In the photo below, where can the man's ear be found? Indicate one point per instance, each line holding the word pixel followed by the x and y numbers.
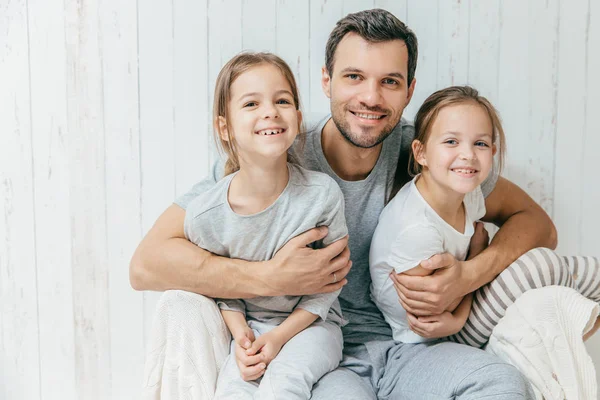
pixel 221 125
pixel 419 152
pixel 326 82
pixel 411 90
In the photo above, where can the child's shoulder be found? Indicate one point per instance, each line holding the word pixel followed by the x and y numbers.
pixel 210 199
pixel 316 187
pixel 475 203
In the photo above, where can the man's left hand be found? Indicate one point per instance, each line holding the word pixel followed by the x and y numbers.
pixel 435 293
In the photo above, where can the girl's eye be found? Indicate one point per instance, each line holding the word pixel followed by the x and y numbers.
pixel 481 144
pixel 283 101
pixel 250 104
pixel 451 141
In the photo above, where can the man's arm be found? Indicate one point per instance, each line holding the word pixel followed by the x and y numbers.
pixel 524 225
pixel 165 260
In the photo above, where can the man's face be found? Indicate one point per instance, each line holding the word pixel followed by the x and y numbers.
pixel 368 88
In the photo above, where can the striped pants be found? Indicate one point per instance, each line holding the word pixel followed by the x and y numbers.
pixel 535 269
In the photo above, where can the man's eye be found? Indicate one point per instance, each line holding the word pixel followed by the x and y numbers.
pixel 353 76
pixel 389 81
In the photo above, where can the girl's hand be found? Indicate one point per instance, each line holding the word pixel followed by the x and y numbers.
pixel 435 326
pixel 479 241
pixel 266 346
pixel 251 367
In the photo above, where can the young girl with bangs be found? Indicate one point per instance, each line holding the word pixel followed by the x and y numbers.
pixel 281 345
pixel 458 132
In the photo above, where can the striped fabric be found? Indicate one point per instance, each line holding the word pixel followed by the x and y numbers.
pixel 535 269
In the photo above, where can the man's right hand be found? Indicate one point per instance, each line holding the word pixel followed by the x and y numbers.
pixel 298 270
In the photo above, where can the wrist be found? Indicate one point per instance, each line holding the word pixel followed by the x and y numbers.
pixel 264 273
pixel 470 276
pixel 279 335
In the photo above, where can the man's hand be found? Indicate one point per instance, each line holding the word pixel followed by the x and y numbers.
pixel 266 346
pixel 444 289
pixel 298 270
pixel 251 366
pixel 435 326
pixel 435 293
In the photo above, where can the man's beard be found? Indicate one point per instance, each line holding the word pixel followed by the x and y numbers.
pixel 358 139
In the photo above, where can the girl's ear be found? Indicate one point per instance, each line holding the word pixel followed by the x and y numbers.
pixel 494 149
pixel 221 124
pixel 419 152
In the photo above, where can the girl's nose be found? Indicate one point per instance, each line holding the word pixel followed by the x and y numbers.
pixel 467 153
pixel 270 111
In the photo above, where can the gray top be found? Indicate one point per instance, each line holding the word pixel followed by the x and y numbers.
pixel 310 199
pixel 364 201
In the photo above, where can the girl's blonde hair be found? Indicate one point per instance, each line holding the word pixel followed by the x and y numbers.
pixel 229 73
pixel 426 117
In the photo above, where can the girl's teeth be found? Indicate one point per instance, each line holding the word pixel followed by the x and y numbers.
pixel 271 132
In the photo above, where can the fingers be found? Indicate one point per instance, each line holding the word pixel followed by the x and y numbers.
pixel 415 325
pixel 252 373
pixel 417 297
pixel 247 360
pixel 414 283
pixel 421 328
pixel 438 261
pixel 337 250
pixel 340 271
pixel 333 287
pixel 417 308
pixel 312 235
pixel 255 348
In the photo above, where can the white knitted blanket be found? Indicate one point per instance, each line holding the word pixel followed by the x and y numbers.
pixel 541 334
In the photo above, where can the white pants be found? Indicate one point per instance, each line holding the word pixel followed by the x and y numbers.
pixel 302 361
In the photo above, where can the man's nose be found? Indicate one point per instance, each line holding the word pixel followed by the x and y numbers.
pixel 371 94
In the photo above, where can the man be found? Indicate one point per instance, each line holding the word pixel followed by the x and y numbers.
pixel 369 78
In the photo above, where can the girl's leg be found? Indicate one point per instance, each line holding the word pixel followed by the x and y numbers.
pixel 586 274
pixel 535 269
pixel 301 362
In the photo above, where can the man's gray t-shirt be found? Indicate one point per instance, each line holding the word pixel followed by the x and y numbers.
pixel 310 199
pixel 364 201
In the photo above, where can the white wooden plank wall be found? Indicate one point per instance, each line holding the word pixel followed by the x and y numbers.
pixel 105 117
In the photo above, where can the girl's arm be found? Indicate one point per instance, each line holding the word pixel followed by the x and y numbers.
pixel 444 324
pixel 270 343
pixel 236 322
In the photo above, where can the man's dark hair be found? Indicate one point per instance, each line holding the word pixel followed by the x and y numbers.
pixel 375 25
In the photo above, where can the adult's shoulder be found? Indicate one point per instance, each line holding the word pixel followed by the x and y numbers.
pixel 314 121
pixel 406 130
pixel 305 177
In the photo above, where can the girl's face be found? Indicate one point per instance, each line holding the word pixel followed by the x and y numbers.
pixel 262 114
pixel 458 155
